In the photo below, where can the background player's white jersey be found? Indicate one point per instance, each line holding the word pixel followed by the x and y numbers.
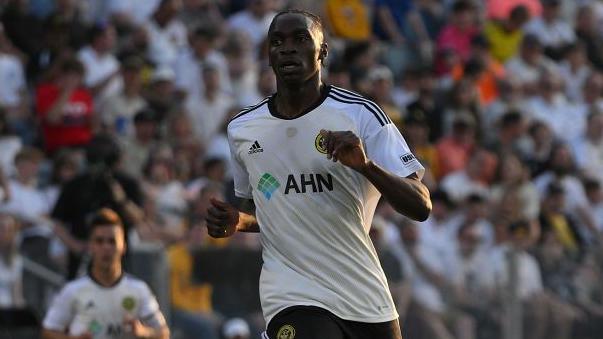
pixel 314 214
pixel 85 306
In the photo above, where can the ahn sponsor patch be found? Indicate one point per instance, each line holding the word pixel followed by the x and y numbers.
pixel 407 158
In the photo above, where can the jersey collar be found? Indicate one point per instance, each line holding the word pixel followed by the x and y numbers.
pixel 272 106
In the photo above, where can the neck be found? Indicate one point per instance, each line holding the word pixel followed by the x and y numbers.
pixel 107 276
pixel 293 99
pixel 211 94
pixel 26 181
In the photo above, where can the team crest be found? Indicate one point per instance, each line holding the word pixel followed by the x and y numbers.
pixel 319 142
pixel 286 332
pixel 128 303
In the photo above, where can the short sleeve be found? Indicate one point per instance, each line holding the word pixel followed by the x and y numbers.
pixel 388 149
pixel 60 314
pixel 242 187
pixel 149 313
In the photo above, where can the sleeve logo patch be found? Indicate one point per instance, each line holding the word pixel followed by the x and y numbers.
pixel 406 158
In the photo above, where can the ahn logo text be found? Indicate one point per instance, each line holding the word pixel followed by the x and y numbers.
pixel 306 183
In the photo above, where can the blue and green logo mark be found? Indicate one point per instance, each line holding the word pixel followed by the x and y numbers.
pixel 267 185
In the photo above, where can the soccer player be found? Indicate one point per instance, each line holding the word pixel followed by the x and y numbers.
pixel 315 159
pixel 106 303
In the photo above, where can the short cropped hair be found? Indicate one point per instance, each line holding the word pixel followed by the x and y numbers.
pixel 316 20
pixel 103 218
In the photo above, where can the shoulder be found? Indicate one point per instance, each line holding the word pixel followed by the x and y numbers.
pixel 73 288
pixel 248 113
pixel 367 111
pixel 136 285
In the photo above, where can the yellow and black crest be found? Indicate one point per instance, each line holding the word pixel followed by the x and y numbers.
pixel 286 332
pixel 319 142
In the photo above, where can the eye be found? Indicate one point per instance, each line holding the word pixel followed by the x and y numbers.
pixel 303 37
pixel 276 42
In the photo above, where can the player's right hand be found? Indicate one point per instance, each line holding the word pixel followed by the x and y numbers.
pixel 222 219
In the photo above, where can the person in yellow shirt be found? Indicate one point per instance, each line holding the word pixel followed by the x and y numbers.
pixel 348 19
pixel 192 312
pixel 505 36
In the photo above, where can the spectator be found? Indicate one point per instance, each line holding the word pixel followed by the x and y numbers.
pixel 505 35
pixel 242 70
pixel 473 179
pixel 167 34
pixel 68 14
pixel 528 65
pixel 514 183
pixel 209 110
pixel 203 51
pixel 556 223
pixel 561 169
pixel 587 32
pixel 128 13
pixel 462 99
pixel 541 143
pixel 454 149
pixel 164 195
pixel 27 200
pixel 510 98
pixel 119 110
pixel 588 148
pixel 101 66
pixel 575 69
pixel 102 184
pixel 137 149
pixel 9 143
pixel 552 31
pixel 161 95
pixel 437 232
pixel 416 132
pixel 192 312
pixel 591 96
pixel 236 328
pixel 201 12
pixel 381 84
pixel 348 20
pixel 428 103
pixel 65 108
pixel 552 107
pixel 511 135
pixel 21 25
pixel 456 36
pixel 13 92
pixel 11 265
pixel 253 21
pixel 594 193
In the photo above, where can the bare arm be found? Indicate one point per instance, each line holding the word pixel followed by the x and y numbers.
pixel 407 196
pixel 51 334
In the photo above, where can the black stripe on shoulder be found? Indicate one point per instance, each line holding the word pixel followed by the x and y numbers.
pixel 333 96
pixel 352 95
pixel 249 109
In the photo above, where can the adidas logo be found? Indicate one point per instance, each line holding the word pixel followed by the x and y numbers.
pixel 255 148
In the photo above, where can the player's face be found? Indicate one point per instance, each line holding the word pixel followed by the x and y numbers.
pixel 107 245
pixel 295 50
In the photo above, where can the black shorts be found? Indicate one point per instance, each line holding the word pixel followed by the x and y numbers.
pixel 309 322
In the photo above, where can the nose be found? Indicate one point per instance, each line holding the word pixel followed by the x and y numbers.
pixel 288 47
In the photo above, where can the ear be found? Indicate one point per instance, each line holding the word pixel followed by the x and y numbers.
pixel 324 52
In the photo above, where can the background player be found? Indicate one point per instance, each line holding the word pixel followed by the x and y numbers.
pixel 106 303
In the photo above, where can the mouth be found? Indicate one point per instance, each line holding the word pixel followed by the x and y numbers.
pixel 289 66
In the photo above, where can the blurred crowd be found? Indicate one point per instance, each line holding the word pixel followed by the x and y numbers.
pixel 124 104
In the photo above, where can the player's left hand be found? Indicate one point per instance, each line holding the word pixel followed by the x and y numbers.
pixel 345 147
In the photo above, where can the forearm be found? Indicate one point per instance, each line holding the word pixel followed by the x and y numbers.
pixel 50 334
pixel 407 196
pixel 155 333
pixel 55 113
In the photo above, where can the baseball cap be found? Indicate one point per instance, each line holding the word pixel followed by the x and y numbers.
pixel 163 73
pixel 236 327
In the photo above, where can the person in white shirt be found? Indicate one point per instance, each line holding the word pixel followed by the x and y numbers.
pixel 460 184
pixel 438 231
pixel 315 160
pixel 550 28
pixel 210 110
pixel 106 303
pixel 254 20
pixel 529 63
pixel 588 148
pixel 166 33
pixel 132 12
pixel 102 67
pixel 188 66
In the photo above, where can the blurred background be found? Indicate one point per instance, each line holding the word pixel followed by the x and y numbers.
pixel 124 104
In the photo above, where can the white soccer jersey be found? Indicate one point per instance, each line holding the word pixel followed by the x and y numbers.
pixel 85 306
pixel 315 214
